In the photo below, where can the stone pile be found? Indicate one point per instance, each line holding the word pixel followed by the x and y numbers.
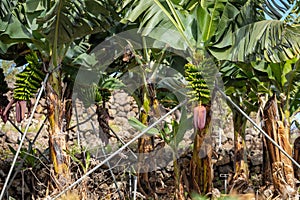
pixel 121 108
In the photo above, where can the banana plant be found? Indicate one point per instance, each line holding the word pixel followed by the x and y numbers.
pixel 236 31
pixel 200 167
pixel 145 73
pixel 99 94
pixel 170 90
pixel 184 19
pixel 278 80
pixel 284 84
pixel 263 80
pixel 54 30
pixel 243 87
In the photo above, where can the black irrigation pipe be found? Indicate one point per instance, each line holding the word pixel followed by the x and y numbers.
pixel 31 143
pixel 256 126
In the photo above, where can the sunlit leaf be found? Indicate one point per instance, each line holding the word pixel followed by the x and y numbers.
pixel 135 123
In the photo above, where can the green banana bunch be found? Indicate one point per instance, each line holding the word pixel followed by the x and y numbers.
pixel 30 79
pixel 101 92
pixel 200 91
pixel 89 95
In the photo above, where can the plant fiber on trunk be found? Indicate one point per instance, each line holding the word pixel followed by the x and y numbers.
pixel 281 166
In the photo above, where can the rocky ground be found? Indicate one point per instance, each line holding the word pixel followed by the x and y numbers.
pixel 115 179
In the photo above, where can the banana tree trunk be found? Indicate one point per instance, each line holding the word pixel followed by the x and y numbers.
pixel 145 146
pixel 266 167
pixel 281 166
pixel 179 189
pixel 58 119
pixel 201 163
pixel 241 171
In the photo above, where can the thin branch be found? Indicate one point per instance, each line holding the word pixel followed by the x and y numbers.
pixel 80 123
pixel 77 125
pixel 120 139
pixel 39 131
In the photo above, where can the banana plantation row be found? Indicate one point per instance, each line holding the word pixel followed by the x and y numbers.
pixel 173 50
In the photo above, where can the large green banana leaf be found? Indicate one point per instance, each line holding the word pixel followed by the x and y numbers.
pixel 47 25
pixel 231 30
pixel 268 40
